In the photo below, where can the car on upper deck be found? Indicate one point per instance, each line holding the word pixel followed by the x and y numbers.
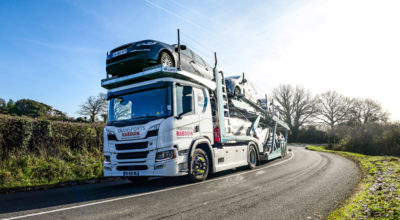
pixel 134 57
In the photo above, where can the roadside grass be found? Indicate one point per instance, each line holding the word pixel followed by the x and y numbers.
pixel 28 170
pixel 378 194
pixel 40 153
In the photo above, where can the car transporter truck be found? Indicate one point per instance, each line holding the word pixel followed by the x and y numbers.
pixel 165 121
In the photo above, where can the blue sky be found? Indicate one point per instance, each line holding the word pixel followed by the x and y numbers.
pixel 54 51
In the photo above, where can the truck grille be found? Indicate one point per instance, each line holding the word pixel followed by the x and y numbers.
pixel 135 167
pixel 134 155
pixel 131 146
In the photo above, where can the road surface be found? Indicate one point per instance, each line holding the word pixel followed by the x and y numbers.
pixel 304 184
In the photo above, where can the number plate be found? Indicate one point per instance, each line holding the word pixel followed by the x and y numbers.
pixel 131 173
pixel 118 53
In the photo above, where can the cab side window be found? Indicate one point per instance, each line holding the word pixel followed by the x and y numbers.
pixel 184 100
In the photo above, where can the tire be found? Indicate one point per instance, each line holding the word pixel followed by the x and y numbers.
pixel 236 92
pixel 252 157
pixel 165 59
pixel 199 166
pixel 138 180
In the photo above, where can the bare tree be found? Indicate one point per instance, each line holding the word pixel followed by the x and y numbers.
pixel 94 106
pixel 333 108
pixel 297 106
pixel 364 111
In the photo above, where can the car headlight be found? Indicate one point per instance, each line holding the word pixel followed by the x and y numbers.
pixel 146 43
pixel 165 155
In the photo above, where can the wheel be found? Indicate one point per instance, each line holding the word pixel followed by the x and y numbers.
pixel 199 166
pixel 252 157
pixel 138 179
pixel 236 92
pixel 165 59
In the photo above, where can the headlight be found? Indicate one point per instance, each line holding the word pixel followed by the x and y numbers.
pixel 154 127
pixel 165 155
pixel 146 43
pixel 111 136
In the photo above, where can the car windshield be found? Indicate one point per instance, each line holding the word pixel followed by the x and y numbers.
pixel 145 105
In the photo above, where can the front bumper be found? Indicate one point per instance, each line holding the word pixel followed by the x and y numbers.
pixel 172 167
pixel 142 161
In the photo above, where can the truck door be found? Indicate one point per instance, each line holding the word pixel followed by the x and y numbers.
pixel 203 108
pixel 187 119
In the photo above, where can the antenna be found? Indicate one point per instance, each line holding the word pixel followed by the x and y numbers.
pixel 179 50
pixel 216 60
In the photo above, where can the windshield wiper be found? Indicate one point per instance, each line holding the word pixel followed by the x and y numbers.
pixel 124 121
pixel 120 121
pixel 145 117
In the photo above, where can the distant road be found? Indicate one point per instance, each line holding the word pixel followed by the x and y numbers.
pixel 304 184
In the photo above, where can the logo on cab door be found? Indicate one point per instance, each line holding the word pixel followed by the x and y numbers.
pixel 186 132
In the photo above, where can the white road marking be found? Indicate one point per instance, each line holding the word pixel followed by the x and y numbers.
pixel 144 194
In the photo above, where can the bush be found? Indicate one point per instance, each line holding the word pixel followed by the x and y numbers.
pixel 37 152
pixel 311 135
pixel 371 139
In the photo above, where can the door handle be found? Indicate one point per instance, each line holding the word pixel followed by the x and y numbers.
pixel 192 62
pixel 196 128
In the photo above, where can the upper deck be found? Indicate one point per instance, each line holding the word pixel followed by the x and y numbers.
pixel 154 73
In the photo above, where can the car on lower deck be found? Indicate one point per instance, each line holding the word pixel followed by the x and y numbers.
pixel 134 57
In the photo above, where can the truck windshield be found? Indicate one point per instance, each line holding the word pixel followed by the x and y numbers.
pixel 142 105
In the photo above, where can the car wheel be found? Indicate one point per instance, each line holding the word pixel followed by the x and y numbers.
pixel 165 59
pixel 236 92
pixel 199 166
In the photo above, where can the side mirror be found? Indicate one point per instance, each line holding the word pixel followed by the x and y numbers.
pixel 183 47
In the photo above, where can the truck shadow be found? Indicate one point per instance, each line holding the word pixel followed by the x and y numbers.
pixel 81 194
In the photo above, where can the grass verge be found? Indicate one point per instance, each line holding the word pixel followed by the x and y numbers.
pixel 31 170
pixel 378 193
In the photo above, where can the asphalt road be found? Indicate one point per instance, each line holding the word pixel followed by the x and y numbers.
pixel 304 184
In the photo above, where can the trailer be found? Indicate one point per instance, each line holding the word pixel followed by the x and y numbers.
pixel 168 122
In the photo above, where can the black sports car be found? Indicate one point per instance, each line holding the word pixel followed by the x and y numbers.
pixel 133 57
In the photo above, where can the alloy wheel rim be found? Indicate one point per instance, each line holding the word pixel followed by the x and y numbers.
pixel 166 61
pixel 199 165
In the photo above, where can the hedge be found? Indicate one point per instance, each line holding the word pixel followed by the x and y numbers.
pixel 40 152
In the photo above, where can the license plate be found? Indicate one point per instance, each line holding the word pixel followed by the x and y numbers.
pixel 131 173
pixel 118 53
